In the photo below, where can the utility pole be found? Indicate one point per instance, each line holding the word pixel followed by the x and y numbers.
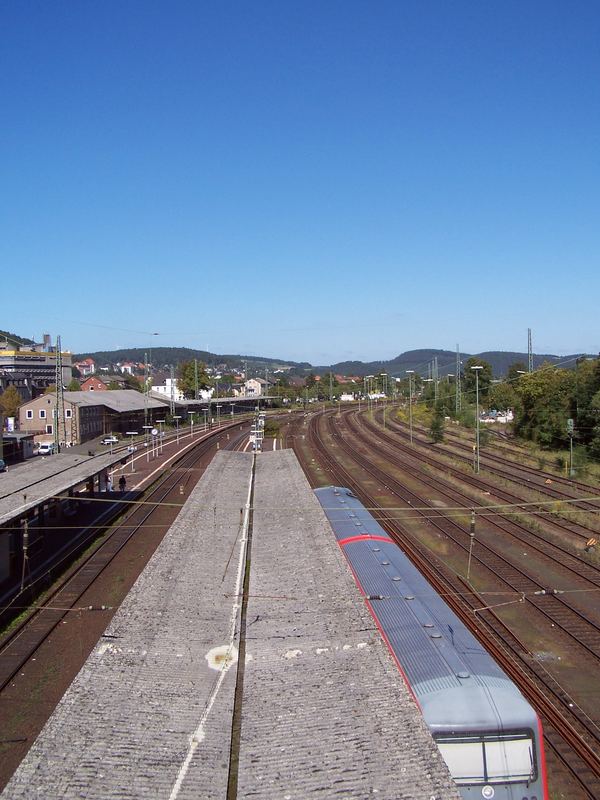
pixel 146 389
pixel 172 402
pixel 458 397
pixel 410 373
pixel 471 542
pixel 476 369
pixel 60 399
pixel 529 352
pixel 196 379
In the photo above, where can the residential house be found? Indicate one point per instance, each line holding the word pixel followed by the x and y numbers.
pixel 93 384
pixel 86 367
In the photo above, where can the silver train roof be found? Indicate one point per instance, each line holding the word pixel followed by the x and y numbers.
pixel 450 672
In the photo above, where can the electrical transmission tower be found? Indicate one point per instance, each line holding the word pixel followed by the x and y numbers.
pixel 458 394
pixel 59 412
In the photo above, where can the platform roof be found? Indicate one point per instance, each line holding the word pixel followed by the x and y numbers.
pixel 26 486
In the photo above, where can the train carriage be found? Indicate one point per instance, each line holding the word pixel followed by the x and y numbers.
pixel 487 732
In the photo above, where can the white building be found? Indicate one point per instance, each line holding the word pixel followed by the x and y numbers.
pixel 169 390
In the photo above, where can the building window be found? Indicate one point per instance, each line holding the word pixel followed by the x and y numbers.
pixel 49 429
pixel 29 413
pixel 68 413
pixel 42 413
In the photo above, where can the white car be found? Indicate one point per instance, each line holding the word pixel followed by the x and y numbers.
pixel 46 449
pixel 110 440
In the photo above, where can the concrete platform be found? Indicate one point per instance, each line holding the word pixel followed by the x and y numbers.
pixel 324 712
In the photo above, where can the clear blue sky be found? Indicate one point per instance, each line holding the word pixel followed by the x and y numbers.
pixel 305 180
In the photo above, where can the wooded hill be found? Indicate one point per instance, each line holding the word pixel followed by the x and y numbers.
pixel 166 356
pixel 419 359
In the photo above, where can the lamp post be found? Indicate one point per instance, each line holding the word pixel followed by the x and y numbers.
pixel 410 373
pixel 160 423
pixel 476 370
pixel 147 428
pixel 191 413
pixel 132 434
pixel 177 418
pixel 218 415
pixel 369 391
pixel 232 411
pixel 205 412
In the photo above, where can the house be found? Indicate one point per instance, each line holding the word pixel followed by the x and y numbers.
pixel 86 367
pixel 169 390
pixel 128 367
pixel 257 387
pixel 94 385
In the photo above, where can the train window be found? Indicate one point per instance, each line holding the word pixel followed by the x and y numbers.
pixel 509 760
pixel 489 759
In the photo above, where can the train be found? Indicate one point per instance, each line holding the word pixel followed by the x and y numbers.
pixel 487 732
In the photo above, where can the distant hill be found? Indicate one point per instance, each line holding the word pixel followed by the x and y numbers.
pixel 166 356
pixel 12 338
pixel 418 360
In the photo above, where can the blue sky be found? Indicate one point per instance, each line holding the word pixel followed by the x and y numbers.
pixel 314 181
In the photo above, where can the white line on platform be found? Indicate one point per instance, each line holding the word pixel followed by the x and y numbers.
pixel 198 735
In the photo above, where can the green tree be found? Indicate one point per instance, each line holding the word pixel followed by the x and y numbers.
pixel 514 372
pixel 10 401
pixel 436 430
pixel 546 402
pixel 310 381
pixel 132 382
pixel 470 381
pixel 186 378
pixel 74 386
pixel 502 396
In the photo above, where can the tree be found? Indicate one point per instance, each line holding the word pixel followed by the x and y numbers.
pixel 186 378
pixel 546 402
pixel 436 430
pixel 10 401
pixel 514 372
pixel 74 386
pixel 132 382
pixel 310 381
pixel 470 381
pixel 502 396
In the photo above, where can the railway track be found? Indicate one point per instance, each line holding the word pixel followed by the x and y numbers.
pixel 556 608
pixel 545 482
pixel 24 639
pixel 538 509
pixel 572 737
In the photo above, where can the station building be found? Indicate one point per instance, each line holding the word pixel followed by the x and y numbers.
pixel 89 414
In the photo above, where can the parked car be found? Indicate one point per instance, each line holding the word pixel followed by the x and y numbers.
pixel 46 449
pixel 110 440
pixel 2 465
